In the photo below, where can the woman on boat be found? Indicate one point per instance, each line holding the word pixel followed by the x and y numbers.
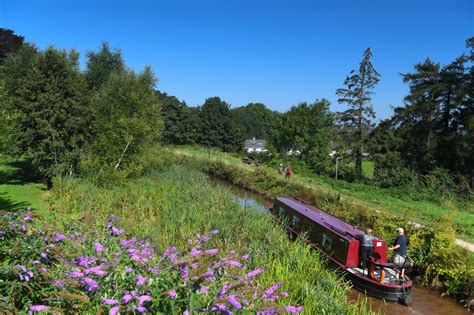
pixel 367 247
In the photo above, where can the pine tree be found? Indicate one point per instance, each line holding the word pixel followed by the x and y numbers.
pixel 357 95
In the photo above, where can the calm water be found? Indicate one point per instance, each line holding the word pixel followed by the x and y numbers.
pixel 424 301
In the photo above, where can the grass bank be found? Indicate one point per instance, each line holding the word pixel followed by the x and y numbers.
pixel 19 188
pixel 438 262
pixel 170 204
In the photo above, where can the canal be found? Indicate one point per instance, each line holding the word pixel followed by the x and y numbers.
pixel 425 301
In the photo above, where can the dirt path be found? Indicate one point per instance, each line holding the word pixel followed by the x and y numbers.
pixel 464 244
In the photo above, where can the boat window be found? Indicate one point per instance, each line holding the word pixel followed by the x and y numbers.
pixel 327 241
pixel 295 221
pixel 281 212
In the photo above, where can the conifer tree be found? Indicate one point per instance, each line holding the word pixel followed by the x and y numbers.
pixel 357 95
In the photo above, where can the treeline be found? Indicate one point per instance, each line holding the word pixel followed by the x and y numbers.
pixel 98 120
pixel 70 121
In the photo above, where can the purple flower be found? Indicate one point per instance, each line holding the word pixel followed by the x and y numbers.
pixel 129 269
pixel 245 257
pixel 97 270
pixel 38 308
pixel 233 301
pixel 114 310
pixel 203 290
pixel 253 273
pixel 28 217
pixel 126 298
pixel 144 298
pixel 140 309
pixel 59 237
pixel 234 263
pixel 76 274
pixel 172 294
pixel 91 284
pixel 212 251
pixel 272 289
pixel 184 272
pixel 98 247
pixel 116 231
pixel 58 283
pixel 186 312
pixel 109 302
pixel 23 228
pixel 127 243
pixel 222 291
pixel 220 307
pixel 141 280
pixel 195 252
pixel 84 261
pixel 293 309
pixel 214 232
pixel 43 256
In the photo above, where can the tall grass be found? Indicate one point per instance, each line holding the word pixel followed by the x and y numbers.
pixel 170 206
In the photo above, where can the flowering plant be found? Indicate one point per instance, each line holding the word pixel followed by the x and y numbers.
pixel 79 269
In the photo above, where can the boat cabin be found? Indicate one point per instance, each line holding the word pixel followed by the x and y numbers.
pixel 338 239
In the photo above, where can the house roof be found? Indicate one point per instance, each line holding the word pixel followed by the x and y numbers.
pixel 255 143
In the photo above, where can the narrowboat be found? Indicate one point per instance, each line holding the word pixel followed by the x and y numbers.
pixel 339 242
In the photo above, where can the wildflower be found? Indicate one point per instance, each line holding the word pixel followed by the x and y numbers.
pixel 97 270
pixel 234 263
pixel 272 289
pixel 141 280
pixel 195 252
pixel 140 309
pixel 129 269
pixel 84 261
pixel 126 298
pixel 214 232
pixel 109 302
pixel 114 310
pixel 144 298
pixel 222 291
pixel 293 309
pixel 43 256
pixel 116 231
pixel 38 308
pixel 91 284
pixel 28 217
pixel 254 273
pixel 23 228
pixel 172 294
pixel 186 312
pixel 203 290
pixel 76 274
pixel 58 283
pixel 184 272
pixel 211 251
pixel 233 301
pixel 220 308
pixel 127 243
pixel 245 257
pixel 57 237
pixel 98 247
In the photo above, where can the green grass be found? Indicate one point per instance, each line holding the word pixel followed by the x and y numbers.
pixel 379 199
pixel 19 188
pixel 170 206
pixel 367 168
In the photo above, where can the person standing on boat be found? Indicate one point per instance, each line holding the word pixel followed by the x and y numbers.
pixel 400 248
pixel 280 169
pixel 367 247
pixel 288 171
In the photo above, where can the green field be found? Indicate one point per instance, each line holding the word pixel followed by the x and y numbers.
pixel 379 199
pixel 19 188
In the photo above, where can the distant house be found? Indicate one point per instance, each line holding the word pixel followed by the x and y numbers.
pixel 255 146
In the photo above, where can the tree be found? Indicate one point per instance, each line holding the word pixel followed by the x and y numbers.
pixel 254 120
pixel 384 148
pixel 307 128
pixel 9 43
pixel 181 124
pixel 127 118
pixel 217 128
pixel 101 64
pixel 357 95
pixel 49 107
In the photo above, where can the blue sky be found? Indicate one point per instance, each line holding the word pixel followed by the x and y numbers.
pixel 275 52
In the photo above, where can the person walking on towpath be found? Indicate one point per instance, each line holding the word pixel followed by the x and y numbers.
pixel 288 171
pixel 400 248
pixel 280 169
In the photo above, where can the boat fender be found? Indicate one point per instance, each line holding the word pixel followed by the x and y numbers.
pixel 372 274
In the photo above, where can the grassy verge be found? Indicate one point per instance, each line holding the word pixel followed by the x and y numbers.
pixel 438 262
pixel 378 199
pixel 170 206
pixel 19 188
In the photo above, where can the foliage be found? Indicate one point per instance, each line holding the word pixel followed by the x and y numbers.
pixel 254 120
pixel 181 123
pixel 101 64
pixel 127 118
pixel 306 128
pixel 49 108
pixel 217 128
pixel 357 95
pixel 105 268
pixel 9 43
